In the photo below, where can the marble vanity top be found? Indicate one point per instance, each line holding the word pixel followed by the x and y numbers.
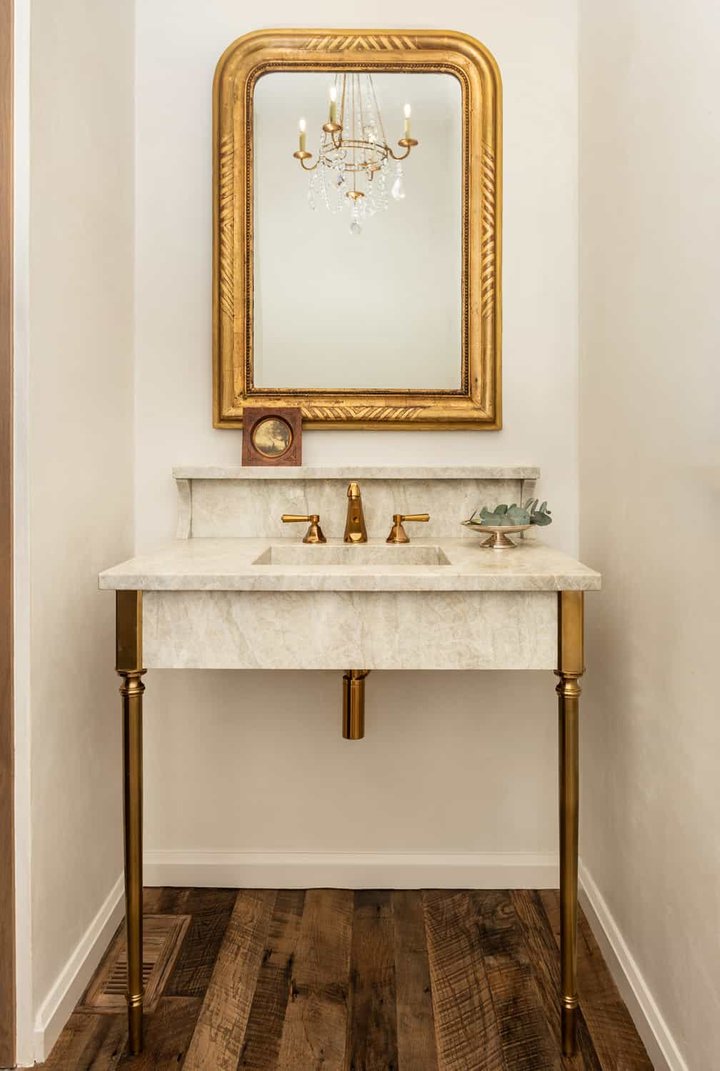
pixel 227 564
pixel 230 537
pixel 238 589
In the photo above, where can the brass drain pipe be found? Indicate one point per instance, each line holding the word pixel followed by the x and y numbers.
pixel 354 703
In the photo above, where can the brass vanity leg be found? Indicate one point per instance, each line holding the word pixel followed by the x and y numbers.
pixel 570 669
pixel 129 667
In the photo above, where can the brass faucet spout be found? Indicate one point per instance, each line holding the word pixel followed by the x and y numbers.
pixel 355 530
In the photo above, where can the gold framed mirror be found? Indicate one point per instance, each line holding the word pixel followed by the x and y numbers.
pixel 357 209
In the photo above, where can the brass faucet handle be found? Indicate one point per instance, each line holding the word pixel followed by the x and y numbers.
pixel 397 532
pixel 314 533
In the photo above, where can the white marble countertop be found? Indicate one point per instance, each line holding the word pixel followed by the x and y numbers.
pixel 357 472
pixel 206 564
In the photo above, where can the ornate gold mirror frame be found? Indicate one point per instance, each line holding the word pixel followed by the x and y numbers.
pixel 477 404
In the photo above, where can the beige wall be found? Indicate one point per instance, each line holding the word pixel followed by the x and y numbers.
pixel 80 456
pixel 650 495
pixel 252 761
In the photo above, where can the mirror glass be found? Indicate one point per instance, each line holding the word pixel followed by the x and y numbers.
pixel 357 279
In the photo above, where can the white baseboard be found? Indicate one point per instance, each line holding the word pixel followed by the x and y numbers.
pixel 352 870
pixel 651 1026
pixel 70 985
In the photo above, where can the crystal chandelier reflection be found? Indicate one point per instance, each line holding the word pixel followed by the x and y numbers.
pixel 355 165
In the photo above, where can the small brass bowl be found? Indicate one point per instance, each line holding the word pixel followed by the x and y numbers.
pixel 498 534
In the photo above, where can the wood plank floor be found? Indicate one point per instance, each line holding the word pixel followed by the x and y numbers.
pixel 334 980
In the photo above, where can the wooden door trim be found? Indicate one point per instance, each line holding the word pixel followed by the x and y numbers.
pixel 7 853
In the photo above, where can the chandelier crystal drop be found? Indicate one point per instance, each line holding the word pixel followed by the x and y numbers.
pixel 356 170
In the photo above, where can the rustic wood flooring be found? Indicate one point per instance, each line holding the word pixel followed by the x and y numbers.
pixel 335 980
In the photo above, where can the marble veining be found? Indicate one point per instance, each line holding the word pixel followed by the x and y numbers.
pixel 248 508
pixel 358 472
pixel 238 590
pixel 336 553
pixel 306 630
pixel 229 565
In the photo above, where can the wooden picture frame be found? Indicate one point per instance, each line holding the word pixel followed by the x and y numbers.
pixel 282 429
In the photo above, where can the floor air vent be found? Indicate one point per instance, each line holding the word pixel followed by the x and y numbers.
pixel 162 937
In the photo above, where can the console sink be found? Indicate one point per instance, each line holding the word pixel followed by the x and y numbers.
pixel 348 554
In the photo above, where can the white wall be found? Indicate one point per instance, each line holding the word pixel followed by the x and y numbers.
pixel 255 761
pixel 78 432
pixel 650 504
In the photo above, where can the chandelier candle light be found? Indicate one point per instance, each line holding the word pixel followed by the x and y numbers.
pixel 355 161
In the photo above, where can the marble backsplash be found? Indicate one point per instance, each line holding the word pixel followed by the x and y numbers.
pixel 250 502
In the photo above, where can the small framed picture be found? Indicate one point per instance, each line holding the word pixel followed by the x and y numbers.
pixel 272 436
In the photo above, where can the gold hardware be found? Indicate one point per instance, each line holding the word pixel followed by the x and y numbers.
pixel 478 402
pixel 570 669
pixel 354 704
pixel 314 533
pixel 128 631
pixel 355 530
pixel 397 532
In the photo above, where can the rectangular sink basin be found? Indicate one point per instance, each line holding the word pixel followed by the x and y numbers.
pixel 323 554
